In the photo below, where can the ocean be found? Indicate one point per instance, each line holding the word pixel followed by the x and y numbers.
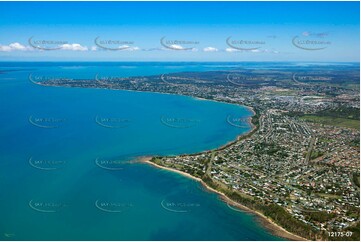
pixel 66 170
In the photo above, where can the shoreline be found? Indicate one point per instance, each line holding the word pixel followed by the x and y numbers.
pixel 163 93
pixel 266 222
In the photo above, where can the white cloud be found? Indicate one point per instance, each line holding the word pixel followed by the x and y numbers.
pixel 76 47
pixel 5 48
pixel 272 51
pixel 177 47
pixel 122 47
pixel 265 51
pixel 210 49
pixel 170 48
pixel 119 48
pixel 14 47
pixel 17 46
pixel 231 50
pixel 155 49
pixel 253 51
pixel 135 48
pixel 128 48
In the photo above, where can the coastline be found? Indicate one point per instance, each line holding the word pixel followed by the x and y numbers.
pixel 266 222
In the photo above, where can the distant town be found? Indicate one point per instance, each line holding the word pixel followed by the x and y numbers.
pixel 300 164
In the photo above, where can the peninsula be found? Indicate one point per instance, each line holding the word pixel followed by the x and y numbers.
pixel 298 168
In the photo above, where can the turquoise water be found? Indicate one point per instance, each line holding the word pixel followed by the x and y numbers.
pixel 64 159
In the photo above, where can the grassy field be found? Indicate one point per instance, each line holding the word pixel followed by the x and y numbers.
pixel 332 196
pixel 341 122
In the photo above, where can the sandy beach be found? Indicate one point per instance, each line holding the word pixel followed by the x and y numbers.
pixel 266 222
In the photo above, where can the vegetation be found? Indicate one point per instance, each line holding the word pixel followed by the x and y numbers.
pixel 341 112
pixel 328 120
pixel 355 142
pixel 315 154
pixel 320 216
pixel 272 211
pixel 356 179
pixel 342 116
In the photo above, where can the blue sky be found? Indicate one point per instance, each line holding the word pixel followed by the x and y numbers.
pixel 191 31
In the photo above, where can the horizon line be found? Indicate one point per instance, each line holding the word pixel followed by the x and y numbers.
pixel 181 61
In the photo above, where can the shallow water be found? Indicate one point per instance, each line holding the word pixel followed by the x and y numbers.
pixel 63 159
